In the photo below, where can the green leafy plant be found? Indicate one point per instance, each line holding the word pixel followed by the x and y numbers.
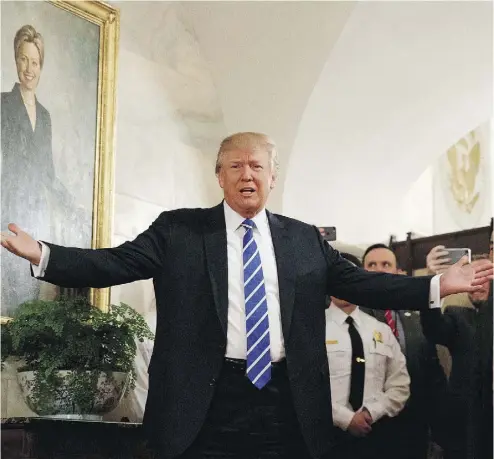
pixel 71 334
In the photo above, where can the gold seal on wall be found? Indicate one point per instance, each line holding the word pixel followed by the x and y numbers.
pixel 464 164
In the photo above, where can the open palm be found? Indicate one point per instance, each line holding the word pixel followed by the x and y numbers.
pixel 21 244
pixel 466 277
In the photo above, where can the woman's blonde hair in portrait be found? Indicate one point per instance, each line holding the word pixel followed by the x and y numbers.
pixel 28 34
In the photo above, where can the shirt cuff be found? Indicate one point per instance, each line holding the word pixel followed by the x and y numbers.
pixel 39 270
pixel 342 416
pixel 376 410
pixel 435 300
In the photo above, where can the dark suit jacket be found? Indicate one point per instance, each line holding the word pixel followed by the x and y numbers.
pixel 427 385
pixel 185 252
pixel 468 336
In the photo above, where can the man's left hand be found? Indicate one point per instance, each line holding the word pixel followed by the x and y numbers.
pixel 464 277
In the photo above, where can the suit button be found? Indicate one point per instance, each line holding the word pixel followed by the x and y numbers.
pixel 212 383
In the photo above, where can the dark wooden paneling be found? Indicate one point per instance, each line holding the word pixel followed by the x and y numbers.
pixel 411 254
pixel 37 438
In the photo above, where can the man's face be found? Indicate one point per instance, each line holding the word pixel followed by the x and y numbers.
pixel 480 296
pixel 247 178
pixel 380 261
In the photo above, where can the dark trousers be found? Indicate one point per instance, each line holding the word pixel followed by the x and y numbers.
pixel 379 444
pixel 412 434
pixel 244 422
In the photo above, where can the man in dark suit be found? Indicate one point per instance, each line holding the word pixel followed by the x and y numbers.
pixel 420 417
pixel 467 333
pixel 239 367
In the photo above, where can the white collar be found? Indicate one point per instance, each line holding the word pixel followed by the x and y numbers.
pixel 233 220
pixel 339 317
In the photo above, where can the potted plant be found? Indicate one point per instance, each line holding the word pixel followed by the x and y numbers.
pixel 75 360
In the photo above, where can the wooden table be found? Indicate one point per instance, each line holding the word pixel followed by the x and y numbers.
pixel 43 438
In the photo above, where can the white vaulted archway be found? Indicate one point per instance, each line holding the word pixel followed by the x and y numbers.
pixel 404 81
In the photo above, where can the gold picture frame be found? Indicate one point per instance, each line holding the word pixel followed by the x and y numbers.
pixel 107 19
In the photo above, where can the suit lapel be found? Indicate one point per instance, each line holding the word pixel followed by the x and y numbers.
pixel 216 255
pixel 285 264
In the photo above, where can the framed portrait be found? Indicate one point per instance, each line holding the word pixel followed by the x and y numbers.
pixel 58 78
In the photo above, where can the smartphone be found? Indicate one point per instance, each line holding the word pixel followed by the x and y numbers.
pixel 328 233
pixel 455 255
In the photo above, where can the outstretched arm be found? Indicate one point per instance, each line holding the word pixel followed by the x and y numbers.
pixel 73 267
pixel 374 290
pixel 394 291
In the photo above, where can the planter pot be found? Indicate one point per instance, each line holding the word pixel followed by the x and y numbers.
pixel 88 396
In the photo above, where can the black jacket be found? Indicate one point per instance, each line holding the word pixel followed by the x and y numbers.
pixel 185 252
pixel 467 333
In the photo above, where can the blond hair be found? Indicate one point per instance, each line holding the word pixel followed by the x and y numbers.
pixel 28 34
pixel 249 141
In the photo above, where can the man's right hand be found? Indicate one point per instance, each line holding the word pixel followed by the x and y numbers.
pixel 21 244
pixel 360 425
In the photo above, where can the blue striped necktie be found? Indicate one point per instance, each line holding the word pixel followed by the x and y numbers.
pixel 256 311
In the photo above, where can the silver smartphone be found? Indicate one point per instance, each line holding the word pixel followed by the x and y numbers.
pixel 455 255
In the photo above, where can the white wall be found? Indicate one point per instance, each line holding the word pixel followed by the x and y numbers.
pixel 417 210
pixel 265 58
pixel 429 207
pixel 448 214
pixel 404 82
pixel 169 125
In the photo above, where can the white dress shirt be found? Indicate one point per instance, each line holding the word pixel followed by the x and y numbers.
pixel 387 383
pixel 236 346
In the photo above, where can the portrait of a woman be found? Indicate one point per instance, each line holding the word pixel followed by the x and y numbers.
pixel 28 182
pixel 57 133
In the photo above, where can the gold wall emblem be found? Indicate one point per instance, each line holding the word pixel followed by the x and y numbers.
pixel 464 164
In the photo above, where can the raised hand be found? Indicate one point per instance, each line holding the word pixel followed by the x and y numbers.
pixel 466 277
pixel 21 244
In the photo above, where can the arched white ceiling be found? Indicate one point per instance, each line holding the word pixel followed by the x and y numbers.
pixel 265 58
pixel 404 81
pixel 358 95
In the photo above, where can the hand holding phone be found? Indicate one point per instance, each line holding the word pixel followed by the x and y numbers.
pixel 440 258
pixel 455 255
pixel 436 261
